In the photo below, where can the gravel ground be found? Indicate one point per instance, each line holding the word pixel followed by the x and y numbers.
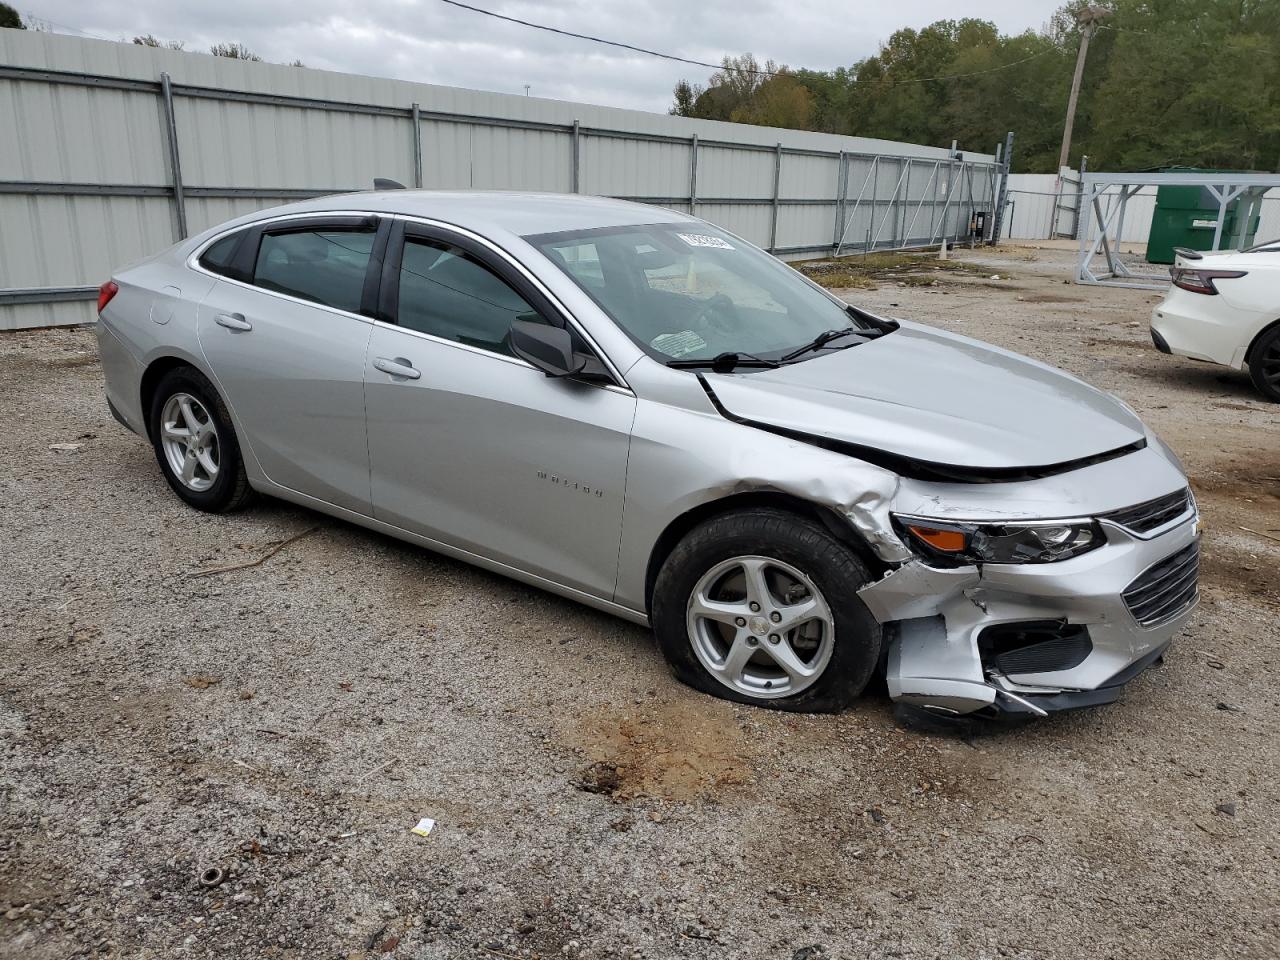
pixel 289 723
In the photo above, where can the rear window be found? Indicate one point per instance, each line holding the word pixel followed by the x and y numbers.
pixel 324 266
pixel 218 255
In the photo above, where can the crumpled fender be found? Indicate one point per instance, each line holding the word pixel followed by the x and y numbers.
pixel 861 492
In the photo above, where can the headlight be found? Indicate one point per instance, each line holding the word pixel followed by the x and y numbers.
pixel 1041 541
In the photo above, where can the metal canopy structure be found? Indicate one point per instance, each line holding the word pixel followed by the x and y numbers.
pixel 1106 195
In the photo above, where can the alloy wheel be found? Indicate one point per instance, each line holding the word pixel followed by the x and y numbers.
pixel 190 441
pixel 760 627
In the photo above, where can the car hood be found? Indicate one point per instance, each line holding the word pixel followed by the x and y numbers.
pixel 935 397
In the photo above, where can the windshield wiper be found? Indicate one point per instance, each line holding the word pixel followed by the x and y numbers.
pixel 724 362
pixel 820 341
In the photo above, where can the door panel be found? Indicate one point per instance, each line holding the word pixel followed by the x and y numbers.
pixel 485 453
pixel 295 380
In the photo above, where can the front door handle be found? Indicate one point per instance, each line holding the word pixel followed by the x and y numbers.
pixel 397 367
pixel 232 321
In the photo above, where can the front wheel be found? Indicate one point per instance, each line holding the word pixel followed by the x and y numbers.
pixel 761 607
pixel 1264 365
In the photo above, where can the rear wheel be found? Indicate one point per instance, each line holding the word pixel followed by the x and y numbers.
pixel 195 443
pixel 1264 365
pixel 761 607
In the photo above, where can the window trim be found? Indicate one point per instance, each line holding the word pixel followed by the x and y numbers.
pixel 308 219
pixel 394 221
pixel 506 267
pixel 245 263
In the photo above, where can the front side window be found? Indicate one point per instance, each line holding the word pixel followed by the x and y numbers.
pixel 324 266
pixel 690 292
pixel 446 292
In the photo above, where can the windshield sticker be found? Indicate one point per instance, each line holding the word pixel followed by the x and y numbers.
pixel 678 344
pixel 702 240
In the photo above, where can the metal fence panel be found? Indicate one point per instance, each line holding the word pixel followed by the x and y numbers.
pixel 725 172
pixel 446 155
pixel 809 177
pixel 61 241
pixel 79 134
pixel 635 168
pixel 506 159
pixel 225 144
pixel 114 151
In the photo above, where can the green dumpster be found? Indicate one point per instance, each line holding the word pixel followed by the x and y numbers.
pixel 1188 217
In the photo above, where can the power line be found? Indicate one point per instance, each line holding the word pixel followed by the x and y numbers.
pixel 720 66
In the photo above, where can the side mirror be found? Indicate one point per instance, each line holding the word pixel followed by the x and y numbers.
pixel 548 348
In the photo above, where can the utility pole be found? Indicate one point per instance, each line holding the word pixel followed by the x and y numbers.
pixel 1089 18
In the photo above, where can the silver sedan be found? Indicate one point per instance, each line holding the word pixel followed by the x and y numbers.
pixel 635 409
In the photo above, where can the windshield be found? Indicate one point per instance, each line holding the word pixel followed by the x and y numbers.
pixel 686 291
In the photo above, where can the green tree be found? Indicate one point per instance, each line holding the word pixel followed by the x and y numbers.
pixel 780 101
pixel 1166 82
pixel 685 94
pixel 9 18
pixel 1190 84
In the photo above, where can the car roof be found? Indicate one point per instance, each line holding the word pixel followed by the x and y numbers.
pixel 490 211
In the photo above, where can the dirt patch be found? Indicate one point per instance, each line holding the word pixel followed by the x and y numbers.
pixel 683 750
pixel 868 272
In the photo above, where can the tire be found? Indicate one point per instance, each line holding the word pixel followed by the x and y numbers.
pixel 1264 364
pixel 215 481
pixel 713 563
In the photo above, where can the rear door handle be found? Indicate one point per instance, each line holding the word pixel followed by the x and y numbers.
pixel 232 321
pixel 397 367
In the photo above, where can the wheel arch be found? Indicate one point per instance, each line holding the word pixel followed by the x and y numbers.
pixel 151 377
pixel 678 528
pixel 1253 344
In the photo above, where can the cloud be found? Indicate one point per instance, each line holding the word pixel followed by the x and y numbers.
pixel 432 42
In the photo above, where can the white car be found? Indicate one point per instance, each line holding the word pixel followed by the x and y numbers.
pixel 1225 308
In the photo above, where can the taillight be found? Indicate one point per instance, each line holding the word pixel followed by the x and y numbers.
pixel 1201 281
pixel 105 293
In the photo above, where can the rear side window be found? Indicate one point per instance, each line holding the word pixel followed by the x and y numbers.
pixel 447 293
pixel 324 266
pixel 217 256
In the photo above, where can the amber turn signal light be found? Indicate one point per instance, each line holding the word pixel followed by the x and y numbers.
pixel 948 541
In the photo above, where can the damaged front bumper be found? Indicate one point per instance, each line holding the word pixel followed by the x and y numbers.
pixel 1032 639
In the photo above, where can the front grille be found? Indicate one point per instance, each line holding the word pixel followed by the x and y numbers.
pixel 1165 589
pixel 1153 514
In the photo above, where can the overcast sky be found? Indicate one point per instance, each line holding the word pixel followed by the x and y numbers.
pixel 429 41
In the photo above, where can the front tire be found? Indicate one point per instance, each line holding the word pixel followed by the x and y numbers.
pixel 761 607
pixel 195 443
pixel 1264 365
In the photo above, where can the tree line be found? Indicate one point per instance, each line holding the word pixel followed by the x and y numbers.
pixel 1167 83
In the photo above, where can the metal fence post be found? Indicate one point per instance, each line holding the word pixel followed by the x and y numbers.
pixel 693 175
pixel 175 161
pixel 842 193
pixel 417 146
pixel 1075 221
pixel 577 158
pixel 1003 193
pixel 777 185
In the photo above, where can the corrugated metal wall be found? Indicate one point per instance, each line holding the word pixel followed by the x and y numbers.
pixel 88 140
